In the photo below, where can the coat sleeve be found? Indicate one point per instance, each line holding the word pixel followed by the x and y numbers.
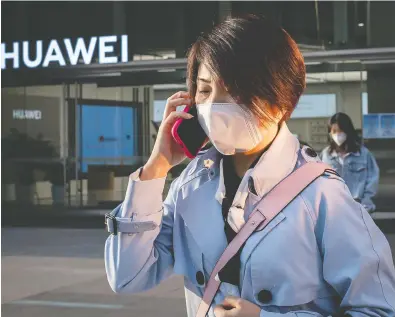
pixel 357 259
pixel 372 182
pixel 142 256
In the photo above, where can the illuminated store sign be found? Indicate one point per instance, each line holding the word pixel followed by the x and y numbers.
pixel 26 114
pixel 103 46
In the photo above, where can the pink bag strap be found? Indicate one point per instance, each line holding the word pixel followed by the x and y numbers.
pixel 272 204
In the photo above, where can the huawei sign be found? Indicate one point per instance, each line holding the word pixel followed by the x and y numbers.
pixel 103 47
pixel 21 114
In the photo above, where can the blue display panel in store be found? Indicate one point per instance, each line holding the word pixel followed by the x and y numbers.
pixel 379 126
pixel 108 135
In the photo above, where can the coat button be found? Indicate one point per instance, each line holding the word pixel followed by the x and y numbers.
pixel 200 277
pixel 265 296
pixel 310 152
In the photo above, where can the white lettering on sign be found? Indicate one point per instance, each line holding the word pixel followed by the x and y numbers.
pixel 14 55
pixel 20 114
pixel 39 54
pixel 80 49
pixel 107 48
pixel 103 46
pixel 124 52
pixel 54 54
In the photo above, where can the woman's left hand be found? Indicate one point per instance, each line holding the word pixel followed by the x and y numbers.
pixel 236 307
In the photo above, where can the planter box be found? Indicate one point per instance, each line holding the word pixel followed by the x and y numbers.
pixel 25 193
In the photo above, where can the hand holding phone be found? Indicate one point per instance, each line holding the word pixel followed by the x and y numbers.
pixel 167 152
pixel 189 134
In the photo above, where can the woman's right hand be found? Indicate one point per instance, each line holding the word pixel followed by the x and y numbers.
pixel 166 152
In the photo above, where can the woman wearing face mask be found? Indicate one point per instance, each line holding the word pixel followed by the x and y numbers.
pixel 355 164
pixel 321 255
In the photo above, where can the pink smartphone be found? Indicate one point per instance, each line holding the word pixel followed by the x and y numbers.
pixel 189 134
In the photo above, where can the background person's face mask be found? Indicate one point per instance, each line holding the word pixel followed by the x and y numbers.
pixel 230 128
pixel 339 138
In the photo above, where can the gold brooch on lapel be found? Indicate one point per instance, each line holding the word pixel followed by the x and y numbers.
pixel 208 163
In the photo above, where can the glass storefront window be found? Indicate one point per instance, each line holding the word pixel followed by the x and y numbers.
pixel 73 145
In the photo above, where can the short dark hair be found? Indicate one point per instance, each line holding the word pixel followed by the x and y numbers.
pixel 352 143
pixel 256 61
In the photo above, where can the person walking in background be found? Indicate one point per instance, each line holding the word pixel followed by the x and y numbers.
pixel 353 161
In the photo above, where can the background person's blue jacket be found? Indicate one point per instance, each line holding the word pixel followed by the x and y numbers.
pixel 360 172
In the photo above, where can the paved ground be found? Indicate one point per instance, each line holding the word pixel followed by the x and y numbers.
pixel 50 272
pixel 60 272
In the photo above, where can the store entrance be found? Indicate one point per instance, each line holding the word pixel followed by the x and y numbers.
pixel 106 142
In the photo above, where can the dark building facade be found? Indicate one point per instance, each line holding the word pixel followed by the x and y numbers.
pixel 69 66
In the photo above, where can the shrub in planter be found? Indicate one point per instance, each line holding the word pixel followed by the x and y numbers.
pixel 23 155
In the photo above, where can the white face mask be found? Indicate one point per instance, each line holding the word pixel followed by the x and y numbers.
pixel 339 138
pixel 229 127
